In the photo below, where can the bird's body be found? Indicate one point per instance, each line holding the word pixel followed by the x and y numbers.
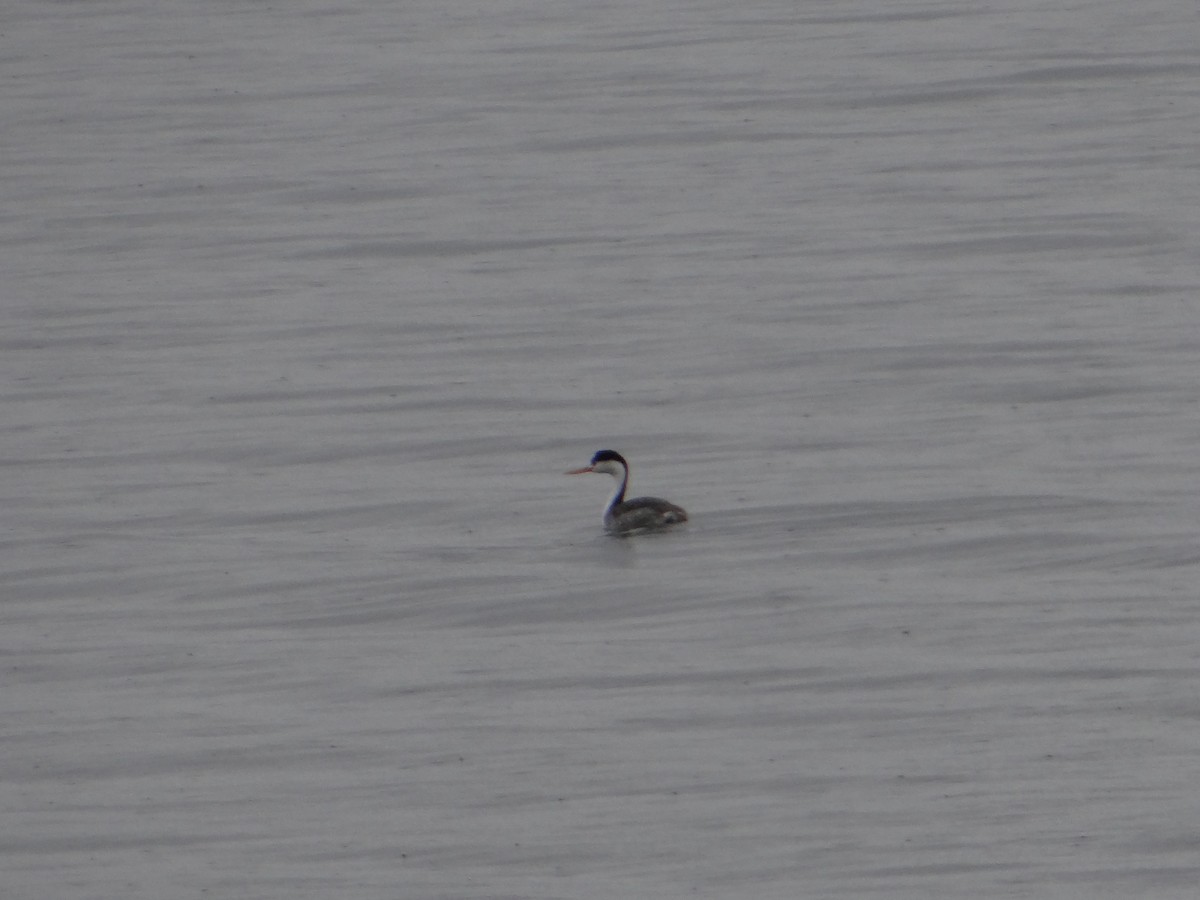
pixel 623 516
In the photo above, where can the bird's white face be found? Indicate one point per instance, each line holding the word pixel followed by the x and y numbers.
pixel 609 467
pixel 604 467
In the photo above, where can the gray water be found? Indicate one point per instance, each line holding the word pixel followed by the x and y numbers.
pixel 308 306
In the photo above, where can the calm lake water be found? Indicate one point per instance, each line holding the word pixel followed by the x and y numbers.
pixel 308 306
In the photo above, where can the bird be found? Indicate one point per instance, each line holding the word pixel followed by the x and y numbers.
pixel 623 516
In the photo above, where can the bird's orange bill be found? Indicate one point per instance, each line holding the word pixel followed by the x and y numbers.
pixel 582 471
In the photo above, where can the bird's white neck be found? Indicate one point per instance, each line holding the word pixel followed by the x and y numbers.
pixel 621 475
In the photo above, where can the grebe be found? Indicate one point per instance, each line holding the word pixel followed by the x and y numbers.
pixel 623 516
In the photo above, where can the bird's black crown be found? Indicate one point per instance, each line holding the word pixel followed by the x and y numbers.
pixel 607 456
